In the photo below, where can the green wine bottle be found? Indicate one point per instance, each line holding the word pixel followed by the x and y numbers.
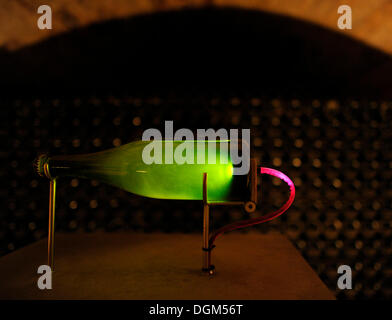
pixel 125 167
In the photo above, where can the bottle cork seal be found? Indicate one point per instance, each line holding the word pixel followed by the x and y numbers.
pixel 39 163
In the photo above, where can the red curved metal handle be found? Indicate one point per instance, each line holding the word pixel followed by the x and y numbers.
pixel 265 218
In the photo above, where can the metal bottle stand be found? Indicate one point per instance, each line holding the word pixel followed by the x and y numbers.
pixel 52 204
pixel 52 208
pixel 249 206
pixel 208 268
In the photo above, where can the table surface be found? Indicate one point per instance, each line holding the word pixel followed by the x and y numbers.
pixel 162 266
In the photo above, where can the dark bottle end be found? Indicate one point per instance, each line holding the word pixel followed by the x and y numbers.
pixel 39 163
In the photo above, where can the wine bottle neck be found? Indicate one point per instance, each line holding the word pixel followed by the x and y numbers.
pixel 72 166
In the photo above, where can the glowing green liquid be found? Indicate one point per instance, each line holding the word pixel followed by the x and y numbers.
pixel 124 167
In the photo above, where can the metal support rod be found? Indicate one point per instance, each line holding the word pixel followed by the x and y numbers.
pixel 253 180
pixel 52 206
pixel 207 267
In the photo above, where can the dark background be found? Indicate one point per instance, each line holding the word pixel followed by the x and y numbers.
pixel 318 105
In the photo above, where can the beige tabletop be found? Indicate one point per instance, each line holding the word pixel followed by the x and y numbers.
pixel 162 266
